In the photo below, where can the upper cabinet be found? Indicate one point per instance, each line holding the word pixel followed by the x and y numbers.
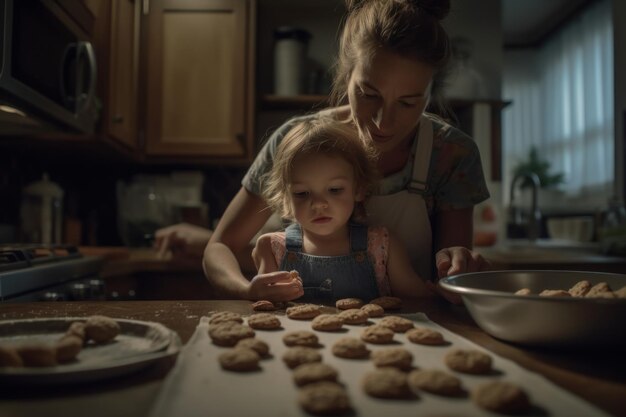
pixel 118 42
pixel 199 79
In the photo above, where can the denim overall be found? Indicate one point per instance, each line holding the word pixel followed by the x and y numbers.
pixel 328 278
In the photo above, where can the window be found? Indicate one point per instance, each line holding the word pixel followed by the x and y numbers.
pixel 562 103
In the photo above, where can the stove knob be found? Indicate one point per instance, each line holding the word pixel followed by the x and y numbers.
pixel 97 289
pixel 53 296
pixel 79 292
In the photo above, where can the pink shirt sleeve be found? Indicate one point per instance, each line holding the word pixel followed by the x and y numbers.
pixel 378 249
pixel 279 249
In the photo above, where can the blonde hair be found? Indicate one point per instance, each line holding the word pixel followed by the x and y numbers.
pixel 318 135
pixel 410 28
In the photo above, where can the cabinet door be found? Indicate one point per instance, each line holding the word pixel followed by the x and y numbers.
pixel 196 78
pixel 121 114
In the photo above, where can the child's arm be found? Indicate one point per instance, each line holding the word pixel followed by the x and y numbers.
pixel 263 255
pixel 403 280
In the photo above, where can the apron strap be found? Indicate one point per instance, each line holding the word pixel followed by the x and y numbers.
pixel 358 237
pixel 421 162
pixel 293 238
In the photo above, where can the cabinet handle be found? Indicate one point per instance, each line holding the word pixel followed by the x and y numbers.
pixel 117 119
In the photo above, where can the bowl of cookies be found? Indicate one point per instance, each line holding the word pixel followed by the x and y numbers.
pixel 546 308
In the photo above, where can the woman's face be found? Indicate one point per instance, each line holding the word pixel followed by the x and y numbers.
pixel 387 94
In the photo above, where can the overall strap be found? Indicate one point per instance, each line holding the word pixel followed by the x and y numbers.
pixel 293 238
pixel 358 237
pixel 421 162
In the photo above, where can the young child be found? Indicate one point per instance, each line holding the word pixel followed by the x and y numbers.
pixel 320 179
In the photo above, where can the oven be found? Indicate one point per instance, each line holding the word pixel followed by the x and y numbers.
pixel 32 272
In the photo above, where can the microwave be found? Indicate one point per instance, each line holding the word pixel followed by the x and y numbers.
pixel 47 70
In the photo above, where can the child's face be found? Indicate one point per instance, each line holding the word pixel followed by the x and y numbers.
pixel 322 193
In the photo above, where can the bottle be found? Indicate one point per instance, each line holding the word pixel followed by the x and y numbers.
pixel 41 212
pixel 290 50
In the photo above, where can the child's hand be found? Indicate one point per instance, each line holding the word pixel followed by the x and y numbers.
pixel 275 286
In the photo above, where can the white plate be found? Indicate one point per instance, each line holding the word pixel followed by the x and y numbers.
pixel 139 344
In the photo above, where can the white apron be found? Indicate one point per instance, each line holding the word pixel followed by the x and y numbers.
pixel 404 213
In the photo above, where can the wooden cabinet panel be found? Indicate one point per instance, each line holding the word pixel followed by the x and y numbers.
pixel 198 67
pixel 121 114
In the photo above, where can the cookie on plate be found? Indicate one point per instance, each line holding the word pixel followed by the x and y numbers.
pixel 324 398
pixel 435 381
pixel 301 338
pixel 264 321
pixel 67 348
pixel 348 303
pixel 229 333
pixel 373 310
pixel 523 291
pixel 239 360
pixel 297 355
pixel 225 316
pixel 501 397
pixel 554 293
pixel 303 312
pixel 77 328
pixel 255 344
pixel 396 357
pixel 308 373
pixel 386 383
pixel 350 348
pixel 598 289
pixel 37 354
pixel 396 323
pixel 580 289
pixel 468 361
pixel 425 336
pixel 101 329
pixel 377 334
pixel 354 316
pixel 327 323
pixel 388 303
pixel 263 305
pixel 621 293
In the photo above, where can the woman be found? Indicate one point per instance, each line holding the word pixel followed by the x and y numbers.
pixel 391 61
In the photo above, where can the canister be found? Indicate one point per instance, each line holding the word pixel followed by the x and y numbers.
pixel 41 212
pixel 290 53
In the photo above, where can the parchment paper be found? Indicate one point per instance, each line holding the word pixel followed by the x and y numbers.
pixel 198 386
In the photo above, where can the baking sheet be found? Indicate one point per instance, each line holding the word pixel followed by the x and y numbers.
pixel 197 385
pixel 139 344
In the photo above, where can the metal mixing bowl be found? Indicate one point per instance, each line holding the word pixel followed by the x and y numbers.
pixel 563 322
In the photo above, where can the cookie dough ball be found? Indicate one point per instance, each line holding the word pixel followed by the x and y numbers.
pixel 373 310
pixel 309 373
pixel 239 360
pixel 501 397
pixel 255 344
pixel 348 303
pixel 386 383
pixel 77 329
pixel 468 361
pixel 435 381
pixel 324 398
pixel 101 329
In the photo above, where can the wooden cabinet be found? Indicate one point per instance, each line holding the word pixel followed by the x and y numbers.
pixel 118 53
pixel 199 74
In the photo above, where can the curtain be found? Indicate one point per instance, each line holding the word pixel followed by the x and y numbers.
pixel 562 103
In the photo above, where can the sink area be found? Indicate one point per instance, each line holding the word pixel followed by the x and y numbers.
pixel 548 251
pixel 548 244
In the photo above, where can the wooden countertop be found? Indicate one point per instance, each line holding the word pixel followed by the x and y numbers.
pixel 597 376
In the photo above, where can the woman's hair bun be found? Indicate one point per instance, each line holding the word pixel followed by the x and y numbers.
pixel 438 9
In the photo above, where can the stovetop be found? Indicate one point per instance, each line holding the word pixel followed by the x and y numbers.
pixel 18 256
pixel 28 268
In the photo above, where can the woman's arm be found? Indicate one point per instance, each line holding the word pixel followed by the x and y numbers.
pixel 243 218
pixel 403 280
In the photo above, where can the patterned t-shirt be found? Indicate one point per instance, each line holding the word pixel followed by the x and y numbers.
pixel 455 175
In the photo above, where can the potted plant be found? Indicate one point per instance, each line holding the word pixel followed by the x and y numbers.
pixel 540 167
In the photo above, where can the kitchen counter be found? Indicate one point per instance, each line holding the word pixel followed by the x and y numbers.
pixel 597 376
pixel 551 255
